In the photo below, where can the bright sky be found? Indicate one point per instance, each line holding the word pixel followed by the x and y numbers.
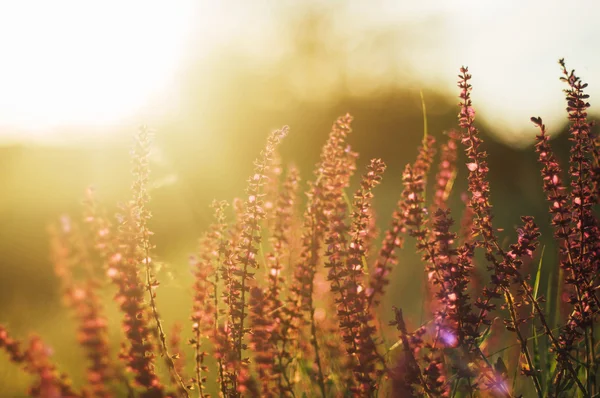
pixel 96 63
pixel 73 62
pixel 512 49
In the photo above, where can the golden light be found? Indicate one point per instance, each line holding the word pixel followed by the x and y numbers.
pixel 73 63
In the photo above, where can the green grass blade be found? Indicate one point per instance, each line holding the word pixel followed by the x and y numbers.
pixel 553 312
pixel 536 285
pixel 425 129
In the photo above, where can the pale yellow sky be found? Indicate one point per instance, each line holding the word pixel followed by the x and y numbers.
pixel 94 65
pixel 70 62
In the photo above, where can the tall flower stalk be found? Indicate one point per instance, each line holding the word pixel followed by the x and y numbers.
pixel 324 197
pixel 71 255
pixel 394 235
pixel 246 257
pixel 140 215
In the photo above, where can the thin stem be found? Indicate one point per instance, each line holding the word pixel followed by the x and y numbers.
pixel 311 306
pixel 523 343
pixel 197 357
pixel 313 331
pixel 159 327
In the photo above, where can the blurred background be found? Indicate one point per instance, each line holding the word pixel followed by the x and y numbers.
pixel 213 78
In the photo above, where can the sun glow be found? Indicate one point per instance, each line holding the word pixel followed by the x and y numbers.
pixel 84 63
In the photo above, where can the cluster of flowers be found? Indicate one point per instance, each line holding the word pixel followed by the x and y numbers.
pixel 288 303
